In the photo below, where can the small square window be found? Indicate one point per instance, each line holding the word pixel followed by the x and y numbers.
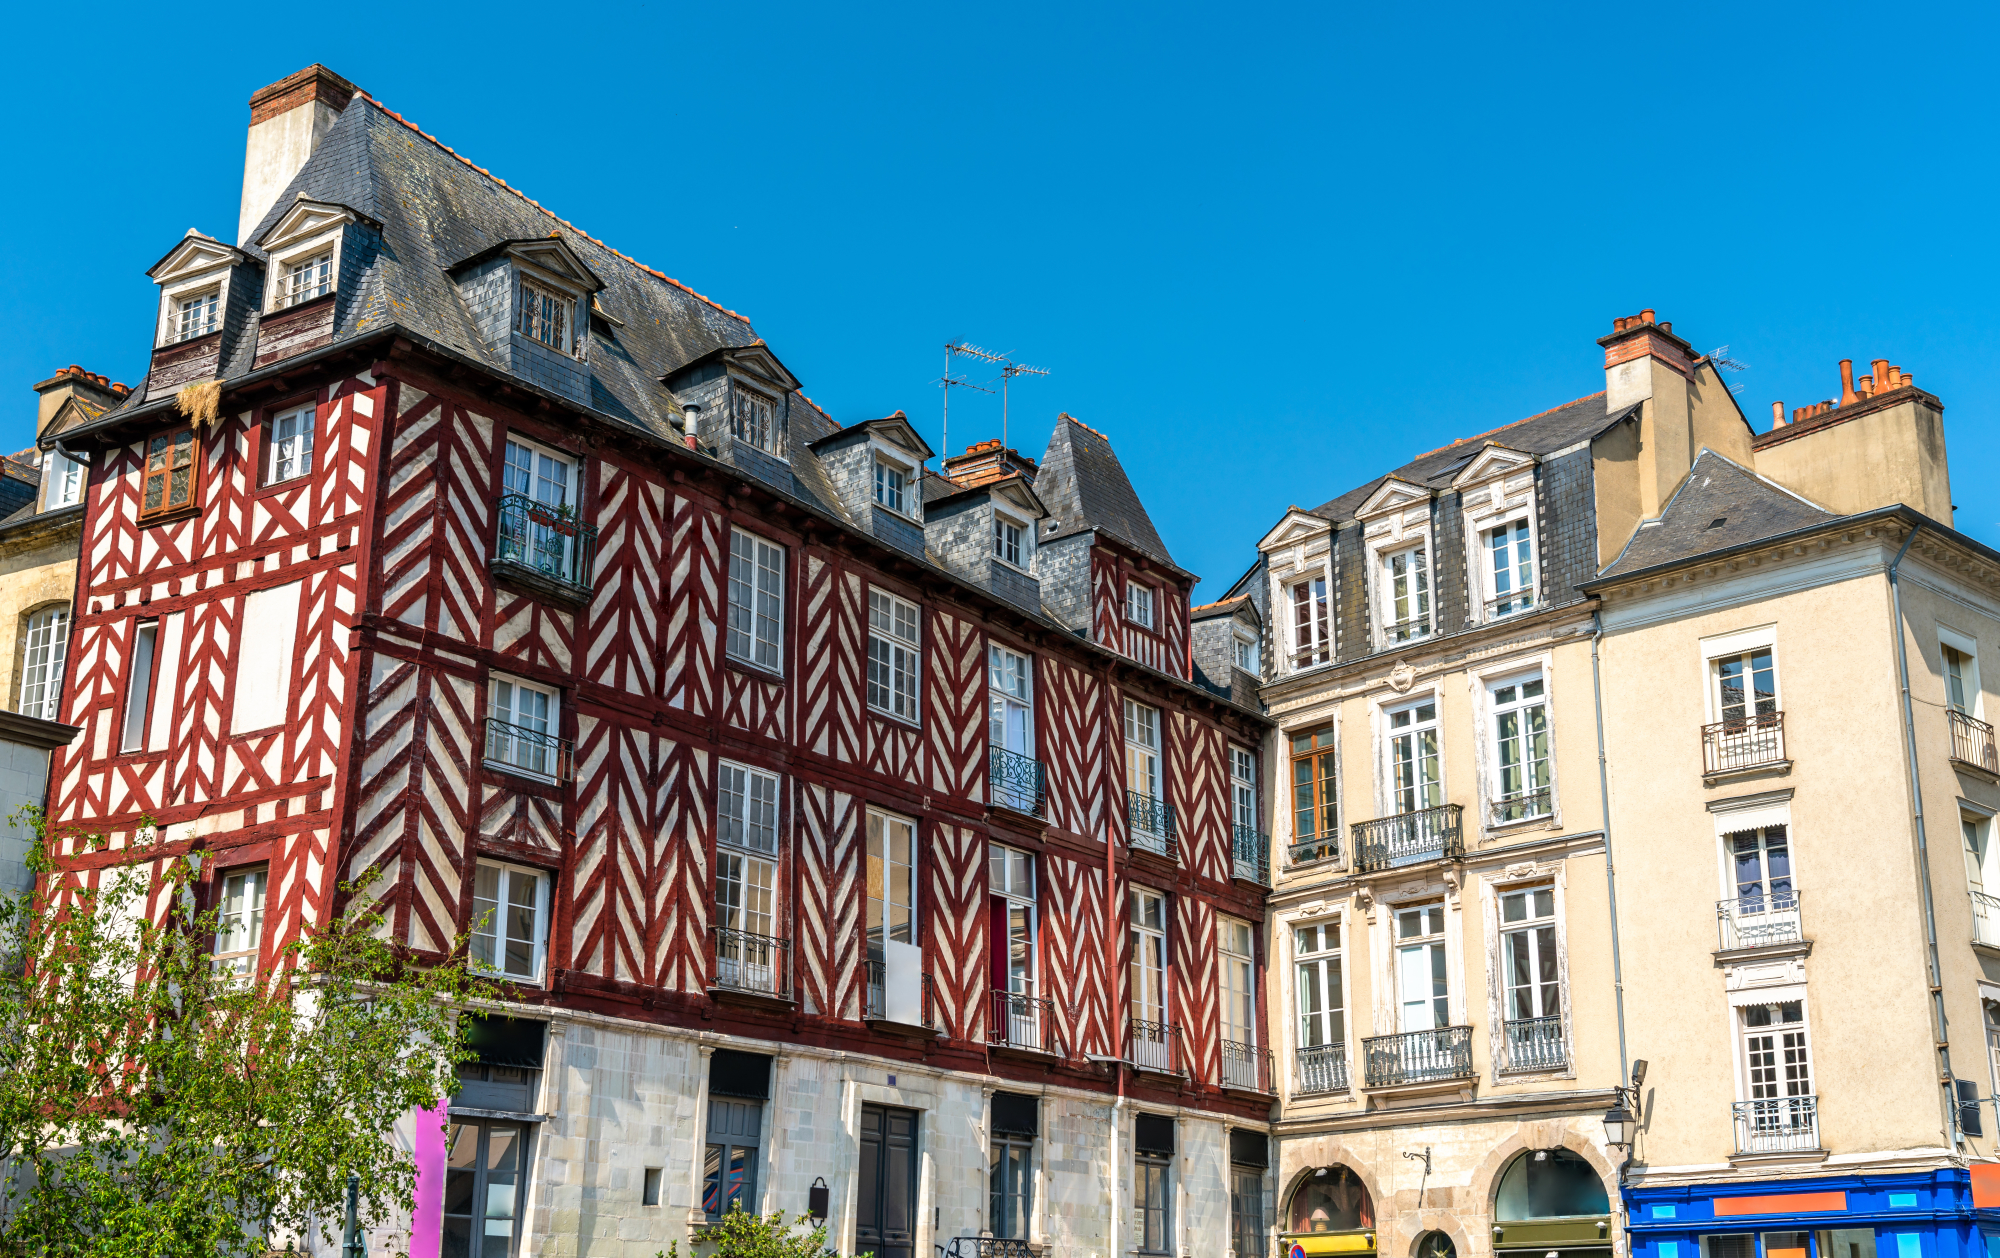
pixel 291 445
pixel 306 278
pixel 1139 604
pixel 755 421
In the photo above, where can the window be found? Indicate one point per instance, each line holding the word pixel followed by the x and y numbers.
pixel 170 473
pixel 1322 1008
pixel 521 729
pixel 1331 1199
pixel 890 482
pixel 1521 751
pixel 1139 603
pixel 536 473
pixel 1420 968
pixel 1243 788
pixel 1142 750
pixel 1312 638
pixel 1147 978
pixel 744 908
pixel 755 421
pixel 1512 571
pixel 1009 679
pixel 63 477
pixel 1775 1053
pixel 1315 827
pixel 1007 539
pixel 1246 1211
pixel 139 686
pixel 756 600
pixel 650 1194
pixel 892 884
pixel 1415 781
pixel 729 1164
pixel 291 451
pixel 1407 595
pixel 1155 1230
pixel 1746 688
pixel 749 808
pixel 1961 680
pixel 1239 994
pixel 1762 863
pixel 306 278
pixel 239 923
pixel 510 912
pixel 892 655
pixel 1243 650
pixel 1012 1187
pixel 1533 986
pixel 46 643
pixel 1010 878
pixel 485 1166
pixel 198 315
pixel 545 316
pixel 1550 1184
pixel 1977 831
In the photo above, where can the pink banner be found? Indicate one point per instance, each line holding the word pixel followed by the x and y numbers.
pixel 427 1220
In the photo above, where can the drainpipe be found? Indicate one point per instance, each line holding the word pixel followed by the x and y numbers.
pixel 1610 866
pixel 1923 844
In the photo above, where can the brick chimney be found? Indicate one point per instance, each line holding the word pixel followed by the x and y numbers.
pixel 984 462
pixel 1645 363
pixel 74 381
pixel 287 121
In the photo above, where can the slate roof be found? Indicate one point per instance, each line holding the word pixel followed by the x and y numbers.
pixel 1221 607
pixel 1545 433
pixel 1084 486
pixel 1719 504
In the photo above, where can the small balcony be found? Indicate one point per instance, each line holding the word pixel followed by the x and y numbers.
pixel 1779 1124
pixel 1246 1067
pixel 1527 806
pixel 1743 742
pixel 751 965
pixel 531 753
pixel 1023 1021
pixel 1972 742
pixel 986 1247
pixel 1151 823
pixel 1252 855
pixel 1759 921
pixel 1985 918
pixel 545 548
pixel 1502 606
pixel 1017 782
pixel 1433 1056
pixel 1156 1046
pixel 878 1008
pixel 1320 1069
pixel 1410 838
pixel 1536 1043
pixel 1313 850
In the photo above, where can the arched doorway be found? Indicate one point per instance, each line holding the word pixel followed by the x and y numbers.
pixel 1551 1201
pixel 1330 1212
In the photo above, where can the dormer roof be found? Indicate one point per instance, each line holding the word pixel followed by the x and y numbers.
pixel 755 359
pixel 547 252
pixel 306 217
pixel 1298 525
pixel 1016 491
pixel 192 255
pixel 896 430
pixel 1391 494
pixel 1494 460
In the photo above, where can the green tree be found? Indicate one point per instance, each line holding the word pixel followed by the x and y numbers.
pixel 154 1104
pixel 740 1234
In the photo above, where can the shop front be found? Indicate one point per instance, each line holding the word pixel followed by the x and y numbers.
pixel 1951 1212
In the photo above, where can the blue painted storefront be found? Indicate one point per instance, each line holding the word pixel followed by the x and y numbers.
pixel 1929 1214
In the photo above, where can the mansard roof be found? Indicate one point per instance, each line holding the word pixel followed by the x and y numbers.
pixel 1719 505
pixel 1085 488
pixel 194 253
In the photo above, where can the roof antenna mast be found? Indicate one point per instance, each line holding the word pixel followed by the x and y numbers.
pixel 1007 374
pixel 948 382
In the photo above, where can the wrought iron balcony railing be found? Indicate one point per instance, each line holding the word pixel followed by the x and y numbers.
pixel 985 1247
pixel 1312 656
pixel 1523 807
pixel 522 750
pixel 1253 855
pixel 752 963
pixel 1779 1124
pixel 1743 742
pixel 1151 822
pixel 545 541
pixel 1985 918
pixel 1972 742
pixel 1418 1056
pixel 1320 1069
pixel 1408 630
pixel 877 1007
pixel 1758 921
pixel 1536 1043
pixel 1410 838
pixel 1018 782
pixel 1246 1066
pixel 1023 1020
pixel 1325 847
pixel 1156 1046
pixel 1510 604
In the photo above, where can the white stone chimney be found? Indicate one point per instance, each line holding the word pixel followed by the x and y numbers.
pixel 287 121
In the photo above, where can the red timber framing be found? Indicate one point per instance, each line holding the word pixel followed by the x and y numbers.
pixel 1165 646
pixel 401 622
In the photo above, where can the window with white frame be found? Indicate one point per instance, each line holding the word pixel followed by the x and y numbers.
pixel 197 315
pixel 139 686
pixel 1406 594
pixel 892 883
pixel 45 647
pixel 892 655
pixel 1009 540
pixel 1510 571
pixel 1980 874
pixel 1243 649
pixel 1416 779
pixel 1010 878
pixel 239 922
pixel 1521 779
pixel 756 600
pixel 1423 984
pixel 891 486
pixel 510 918
pixel 1139 603
pixel 521 729
pixel 540 486
pixel 304 278
pixel 290 453
pixel 1236 955
pixel 1243 788
pixel 1961 676
pixel 745 910
pixel 62 479
pixel 748 808
pixel 1322 1008
pixel 1312 634
pixel 1147 975
pixel 1142 750
pixel 545 315
pixel 1017 778
pixel 1532 978
pixel 1780 1107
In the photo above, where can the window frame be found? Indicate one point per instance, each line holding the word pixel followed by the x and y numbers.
pixel 250 956
pixel 1244 652
pixel 273 443
pixel 553 721
pixel 1967 700
pixel 136 721
pixel 1153 753
pixel 1018 1193
pixel 1007 856
pixel 743 399
pixel 286 267
pixel 1419 545
pixel 732 1141
pixel 48 674
pixel 1521 524
pixel 752 777
pixel 1744 1032
pixel 58 468
pixel 481 1186
pixel 1142 604
pixel 1138 895
pixel 1244 813
pixel 902 487
pixel 1389 781
pixel 216 277
pixel 1225 996
pixel 1497 711
pixel 1150 1170
pixel 1021 542
pixel 756 639
pixel 168 439
pixel 895 668
pixel 508 871
pixel 1328 961
pixel 179 309
pixel 1437 944
pixel 1317 616
pixel 1500 939
pixel 888 821
pixel 1321 753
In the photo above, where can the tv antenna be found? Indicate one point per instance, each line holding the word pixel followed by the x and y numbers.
pixel 1723 362
pixel 948 382
pixel 1007 375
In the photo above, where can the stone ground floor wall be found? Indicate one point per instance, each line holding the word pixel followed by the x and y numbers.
pixel 618 1098
pixel 1456 1196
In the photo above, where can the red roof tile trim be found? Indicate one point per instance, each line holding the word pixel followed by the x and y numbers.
pixel 1086 427
pixel 1504 427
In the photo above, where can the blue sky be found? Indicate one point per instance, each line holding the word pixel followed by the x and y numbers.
pixel 1270 252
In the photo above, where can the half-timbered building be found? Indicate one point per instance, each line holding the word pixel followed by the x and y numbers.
pixel 848 836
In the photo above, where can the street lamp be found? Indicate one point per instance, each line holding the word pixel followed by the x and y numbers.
pixel 1618 1124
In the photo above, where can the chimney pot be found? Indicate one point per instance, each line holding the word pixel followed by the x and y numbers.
pixel 1847 396
pixel 1668 328
pixel 1645 316
pixel 1777 414
pixel 1865 386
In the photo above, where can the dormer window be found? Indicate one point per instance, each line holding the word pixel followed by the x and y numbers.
pixel 545 316
pixel 305 248
pixel 198 315
pixel 1243 649
pixel 891 484
pixel 63 479
pixel 756 421
pixel 307 278
pixel 1007 540
pixel 1406 582
pixel 1139 604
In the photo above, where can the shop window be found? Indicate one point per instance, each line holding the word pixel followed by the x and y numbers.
pixel 1550 1184
pixel 1332 1199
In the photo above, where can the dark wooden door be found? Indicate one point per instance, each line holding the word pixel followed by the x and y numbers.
pixel 887 1225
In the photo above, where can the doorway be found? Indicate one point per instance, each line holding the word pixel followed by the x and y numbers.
pixel 886 1222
